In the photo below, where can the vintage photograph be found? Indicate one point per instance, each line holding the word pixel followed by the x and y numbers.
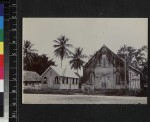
pixel 84 60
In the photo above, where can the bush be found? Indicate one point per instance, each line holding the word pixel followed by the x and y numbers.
pixel 51 91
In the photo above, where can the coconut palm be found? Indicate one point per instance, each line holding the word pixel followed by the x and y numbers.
pixel 28 52
pixel 77 59
pixel 61 46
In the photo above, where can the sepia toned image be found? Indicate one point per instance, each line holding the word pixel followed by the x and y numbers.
pixel 84 60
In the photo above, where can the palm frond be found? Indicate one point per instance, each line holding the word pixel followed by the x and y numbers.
pixel 55 46
pixel 56 41
pixel 68 45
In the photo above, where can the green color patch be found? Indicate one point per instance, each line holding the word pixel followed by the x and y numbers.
pixel 1 35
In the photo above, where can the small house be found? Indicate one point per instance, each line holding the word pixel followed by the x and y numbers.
pixel 31 80
pixel 58 78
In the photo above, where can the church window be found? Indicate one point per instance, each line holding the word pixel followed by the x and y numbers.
pixel 91 77
pixel 56 80
pixel 104 60
pixel 117 78
pixel 45 80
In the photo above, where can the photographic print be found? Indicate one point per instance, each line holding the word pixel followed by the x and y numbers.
pixel 84 60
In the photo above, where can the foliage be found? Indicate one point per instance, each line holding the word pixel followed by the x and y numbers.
pixel 39 63
pixel 77 59
pixel 33 61
pixel 61 46
pixel 28 53
pixel 52 91
pixel 135 57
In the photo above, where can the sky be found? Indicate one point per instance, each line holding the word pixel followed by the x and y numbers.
pixel 87 33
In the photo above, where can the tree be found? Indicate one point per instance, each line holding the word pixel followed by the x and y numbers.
pixel 128 51
pixel 141 56
pixel 28 52
pixel 77 59
pixel 40 63
pixel 135 57
pixel 61 46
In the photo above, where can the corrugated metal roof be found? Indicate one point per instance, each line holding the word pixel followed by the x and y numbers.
pixel 31 76
pixel 62 72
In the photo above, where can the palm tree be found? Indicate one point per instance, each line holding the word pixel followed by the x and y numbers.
pixel 77 57
pixel 61 46
pixel 28 52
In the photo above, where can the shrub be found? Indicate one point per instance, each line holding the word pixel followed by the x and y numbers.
pixel 50 91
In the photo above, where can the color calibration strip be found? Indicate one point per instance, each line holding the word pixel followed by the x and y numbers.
pixel 1 56
pixel 13 101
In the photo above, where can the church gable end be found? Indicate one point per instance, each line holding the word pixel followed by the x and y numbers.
pixel 104 65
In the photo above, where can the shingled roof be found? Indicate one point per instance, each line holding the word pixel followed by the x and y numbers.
pixel 31 76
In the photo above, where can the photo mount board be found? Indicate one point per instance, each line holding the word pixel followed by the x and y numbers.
pixel 81 112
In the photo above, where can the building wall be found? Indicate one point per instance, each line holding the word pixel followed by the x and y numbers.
pixel 62 81
pixel 69 84
pixel 50 76
pixel 104 74
pixel 134 80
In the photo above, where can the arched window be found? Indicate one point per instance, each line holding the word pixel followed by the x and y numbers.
pixel 92 78
pixel 45 80
pixel 56 80
pixel 117 78
pixel 104 60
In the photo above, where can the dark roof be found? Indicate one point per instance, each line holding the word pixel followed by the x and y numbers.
pixel 31 76
pixel 116 56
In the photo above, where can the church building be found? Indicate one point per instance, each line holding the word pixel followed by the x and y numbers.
pixel 106 70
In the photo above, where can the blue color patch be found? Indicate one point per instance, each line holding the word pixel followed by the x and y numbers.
pixel 1 9
pixel 1 22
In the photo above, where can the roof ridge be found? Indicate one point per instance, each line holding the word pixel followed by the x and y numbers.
pixel 114 54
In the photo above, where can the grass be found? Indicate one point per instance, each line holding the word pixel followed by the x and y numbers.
pixel 108 92
pixel 80 99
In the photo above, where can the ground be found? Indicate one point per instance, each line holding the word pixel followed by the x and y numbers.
pixel 81 99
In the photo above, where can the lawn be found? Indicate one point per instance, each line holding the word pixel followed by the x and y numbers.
pixel 81 99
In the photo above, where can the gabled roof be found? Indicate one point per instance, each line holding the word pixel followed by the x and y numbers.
pixel 104 46
pixel 62 72
pixel 121 59
pixel 31 76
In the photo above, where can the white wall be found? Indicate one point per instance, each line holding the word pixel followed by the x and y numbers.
pixel 70 84
pixel 50 74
